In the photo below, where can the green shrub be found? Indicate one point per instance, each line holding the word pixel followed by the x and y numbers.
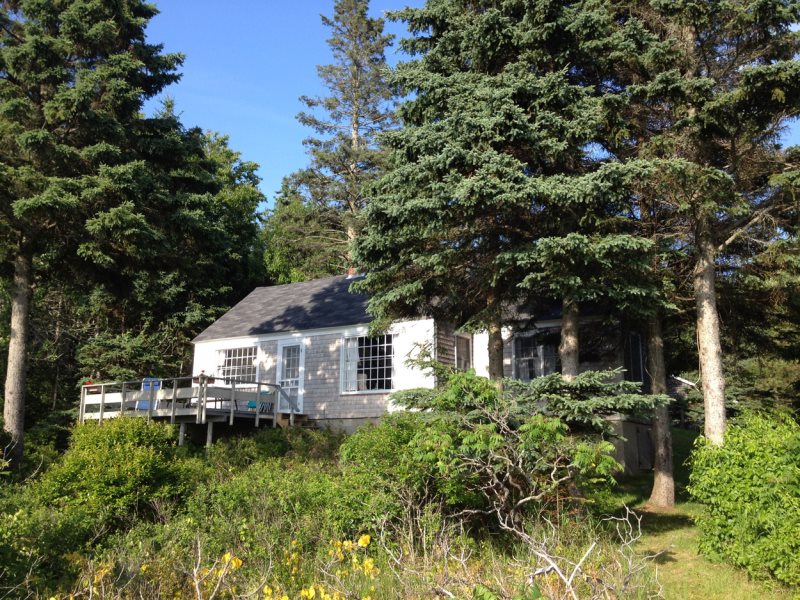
pixel 110 476
pixel 750 488
pixel 115 468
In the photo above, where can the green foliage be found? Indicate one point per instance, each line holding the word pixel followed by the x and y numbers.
pixel 750 489
pixel 112 474
pixel 511 452
pixel 115 469
pixel 300 241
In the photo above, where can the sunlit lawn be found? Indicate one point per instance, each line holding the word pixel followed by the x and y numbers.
pixel 682 571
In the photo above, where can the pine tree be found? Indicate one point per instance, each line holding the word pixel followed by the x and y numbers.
pixel 493 197
pixel 705 105
pixel 345 158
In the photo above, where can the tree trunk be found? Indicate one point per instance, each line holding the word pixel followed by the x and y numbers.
pixel 568 349
pixel 496 352
pixel 14 400
pixel 708 342
pixel 663 493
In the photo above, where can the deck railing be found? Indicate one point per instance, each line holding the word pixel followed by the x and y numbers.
pixel 184 396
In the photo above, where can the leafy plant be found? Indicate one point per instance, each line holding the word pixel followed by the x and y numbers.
pixel 750 488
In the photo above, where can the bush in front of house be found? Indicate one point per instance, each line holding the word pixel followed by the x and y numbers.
pixel 750 488
pixel 110 476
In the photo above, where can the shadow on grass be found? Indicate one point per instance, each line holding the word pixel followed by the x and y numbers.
pixel 661 522
pixel 634 491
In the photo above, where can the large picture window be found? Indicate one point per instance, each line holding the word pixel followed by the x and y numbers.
pixel 238 364
pixel 367 363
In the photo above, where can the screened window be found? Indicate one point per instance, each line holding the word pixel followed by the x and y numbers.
pixel 535 355
pixel 367 363
pixel 463 353
pixel 238 364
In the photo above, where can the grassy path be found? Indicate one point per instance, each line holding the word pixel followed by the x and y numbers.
pixel 682 571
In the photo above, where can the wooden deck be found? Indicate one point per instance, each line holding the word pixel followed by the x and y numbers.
pixel 182 400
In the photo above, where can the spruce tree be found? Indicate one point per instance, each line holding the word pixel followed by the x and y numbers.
pixel 344 156
pixel 73 77
pixel 705 104
pixel 493 199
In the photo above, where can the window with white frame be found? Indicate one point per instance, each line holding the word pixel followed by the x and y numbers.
pixel 367 363
pixel 463 347
pixel 238 364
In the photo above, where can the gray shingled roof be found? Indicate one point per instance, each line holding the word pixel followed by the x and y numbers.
pixel 292 307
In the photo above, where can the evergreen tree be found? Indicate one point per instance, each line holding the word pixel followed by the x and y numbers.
pixel 300 244
pixel 705 104
pixel 492 199
pixel 73 77
pixel 345 158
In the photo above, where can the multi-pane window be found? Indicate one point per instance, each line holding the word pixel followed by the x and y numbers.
pixel 463 352
pixel 367 363
pixel 290 367
pixel 535 355
pixel 289 378
pixel 239 364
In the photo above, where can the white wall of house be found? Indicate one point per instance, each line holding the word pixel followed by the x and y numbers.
pixel 480 345
pixel 321 392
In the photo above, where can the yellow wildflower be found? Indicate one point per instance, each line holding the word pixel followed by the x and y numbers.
pixel 364 540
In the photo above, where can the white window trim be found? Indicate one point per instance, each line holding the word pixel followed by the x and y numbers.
pixel 301 388
pixel 343 362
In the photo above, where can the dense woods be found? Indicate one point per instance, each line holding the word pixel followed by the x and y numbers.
pixel 622 157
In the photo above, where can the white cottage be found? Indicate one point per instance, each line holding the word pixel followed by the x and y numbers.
pixel 311 338
pixel 303 352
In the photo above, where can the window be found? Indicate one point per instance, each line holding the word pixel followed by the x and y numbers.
pixel 367 363
pixel 238 364
pixel 463 352
pixel 290 373
pixel 535 355
pixel 290 365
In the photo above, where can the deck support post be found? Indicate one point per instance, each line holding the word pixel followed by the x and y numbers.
pixel 210 434
pixel 122 401
pixel 181 433
pixel 102 401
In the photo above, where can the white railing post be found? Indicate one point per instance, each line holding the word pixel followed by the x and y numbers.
pixel 82 410
pixel 174 396
pixel 151 400
pixel 205 399
pixel 276 406
pixel 102 401
pixel 258 402
pixel 122 401
pixel 233 401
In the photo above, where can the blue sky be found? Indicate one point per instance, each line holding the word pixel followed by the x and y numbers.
pixel 247 65
pixel 245 68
